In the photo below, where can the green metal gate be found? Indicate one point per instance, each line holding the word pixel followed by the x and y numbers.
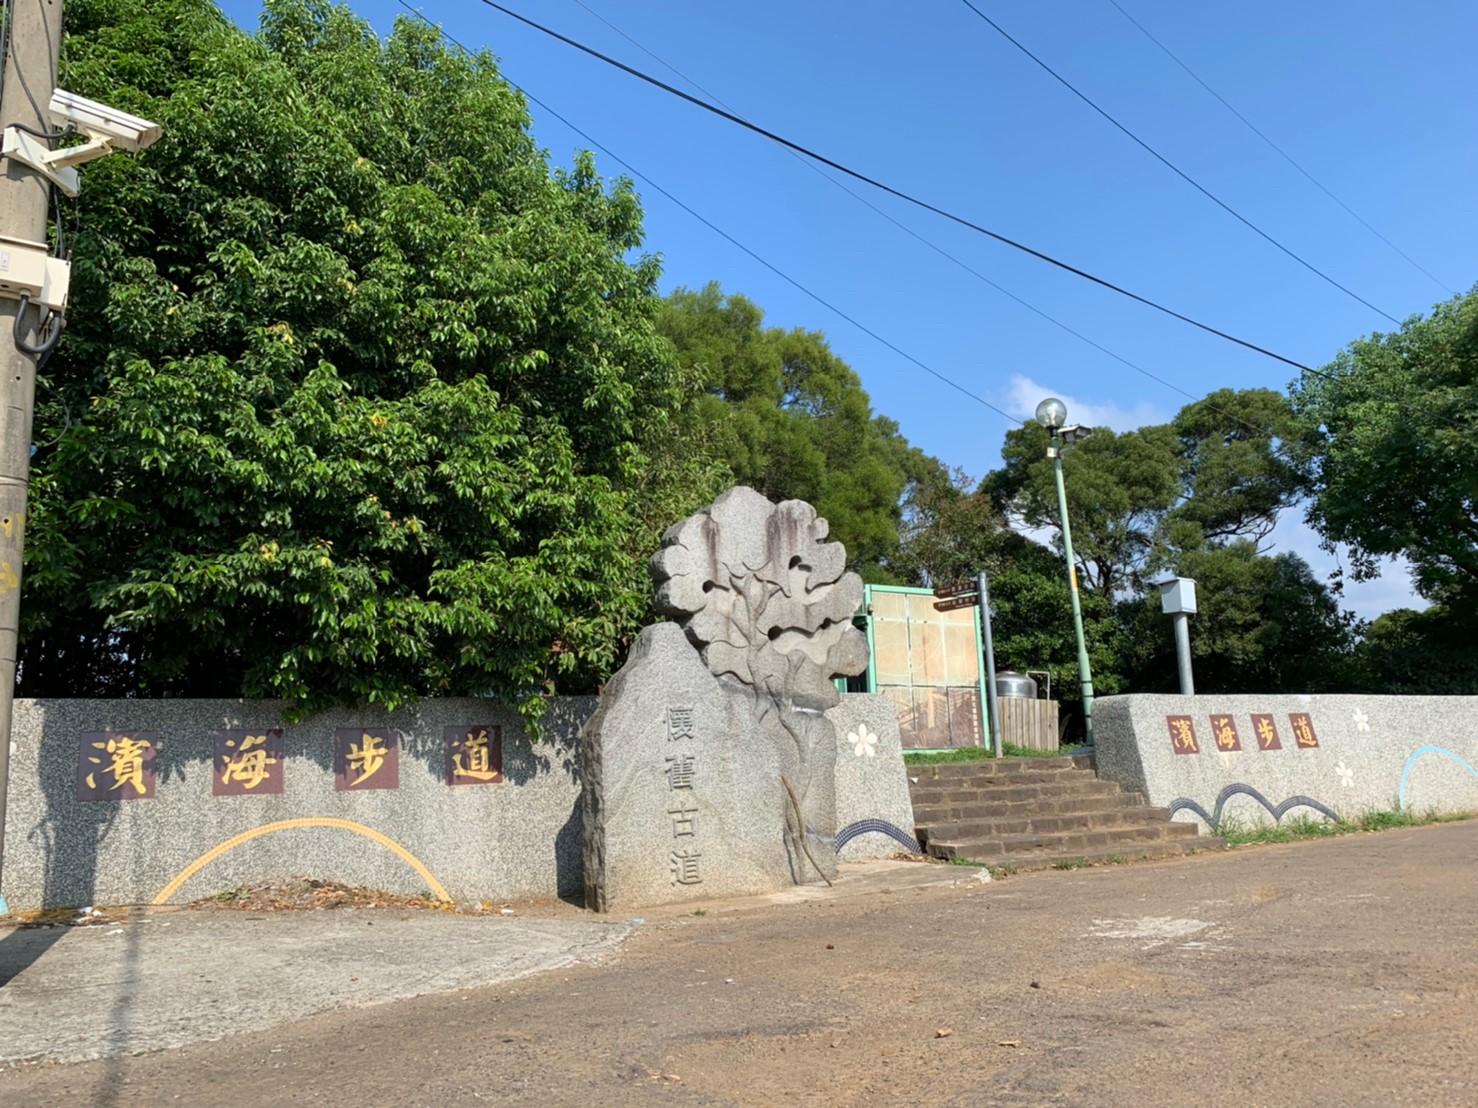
pixel 928 663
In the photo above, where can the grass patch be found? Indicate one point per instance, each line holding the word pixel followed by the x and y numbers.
pixel 1117 859
pixel 1238 833
pixel 1070 863
pixel 982 754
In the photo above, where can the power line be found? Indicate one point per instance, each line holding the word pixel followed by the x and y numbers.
pixel 891 191
pixel 1013 420
pixel 930 244
pixel 1281 152
pixel 1168 164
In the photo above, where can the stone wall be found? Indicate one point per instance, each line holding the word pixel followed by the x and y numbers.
pixel 1260 759
pixel 517 837
pixel 514 838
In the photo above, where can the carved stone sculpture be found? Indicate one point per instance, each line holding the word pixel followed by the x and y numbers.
pixel 763 607
pixel 768 602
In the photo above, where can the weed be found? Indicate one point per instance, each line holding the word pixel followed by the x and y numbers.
pixel 1117 859
pixel 700 911
pixel 1007 868
pixel 1305 826
pixel 1069 863
pixel 241 892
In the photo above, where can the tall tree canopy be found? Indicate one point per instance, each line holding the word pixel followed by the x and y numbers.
pixel 354 393
pixel 1220 472
pixel 791 419
pixel 1392 422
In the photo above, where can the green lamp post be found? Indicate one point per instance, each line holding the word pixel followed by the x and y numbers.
pixel 1052 414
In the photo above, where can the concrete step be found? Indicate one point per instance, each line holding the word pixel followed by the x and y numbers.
pixel 1075 786
pixel 1142 852
pixel 992 809
pixel 992 767
pixel 1094 819
pixel 1063 843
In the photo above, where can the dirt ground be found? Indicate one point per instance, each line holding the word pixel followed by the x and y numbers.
pixel 1340 972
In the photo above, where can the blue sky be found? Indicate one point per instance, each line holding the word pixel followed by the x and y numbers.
pixel 1375 100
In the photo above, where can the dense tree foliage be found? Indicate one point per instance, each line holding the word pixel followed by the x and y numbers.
pixel 791 419
pixel 1391 425
pixel 1219 472
pixel 354 396
pixel 360 399
pixel 1264 624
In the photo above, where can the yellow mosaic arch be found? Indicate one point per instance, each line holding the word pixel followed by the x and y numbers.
pixel 289 824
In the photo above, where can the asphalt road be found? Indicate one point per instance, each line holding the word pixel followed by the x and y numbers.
pixel 1338 972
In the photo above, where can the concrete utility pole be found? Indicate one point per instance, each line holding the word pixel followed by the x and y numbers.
pixel 31 58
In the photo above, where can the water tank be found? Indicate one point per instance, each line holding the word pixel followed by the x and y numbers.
pixel 1009 683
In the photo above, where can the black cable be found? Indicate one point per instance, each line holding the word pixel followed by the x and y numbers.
pixel 1168 164
pixel 724 234
pixel 931 245
pixel 1281 152
pixel 856 175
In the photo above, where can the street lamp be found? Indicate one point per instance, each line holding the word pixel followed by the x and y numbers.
pixel 1052 414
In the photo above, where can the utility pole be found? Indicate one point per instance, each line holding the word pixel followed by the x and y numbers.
pixel 32 53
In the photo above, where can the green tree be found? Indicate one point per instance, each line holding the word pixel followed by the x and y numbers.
pixel 353 398
pixel 1391 424
pixel 1238 467
pixel 789 418
pixel 1119 488
pixel 1428 653
pixel 1265 624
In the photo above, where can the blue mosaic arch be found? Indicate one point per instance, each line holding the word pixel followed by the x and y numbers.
pixel 882 826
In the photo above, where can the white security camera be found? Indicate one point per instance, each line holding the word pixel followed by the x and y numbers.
pixel 100 122
pixel 107 129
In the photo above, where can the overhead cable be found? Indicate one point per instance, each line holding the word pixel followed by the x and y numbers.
pixel 1168 164
pixel 899 193
pixel 1287 157
pixel 1013 420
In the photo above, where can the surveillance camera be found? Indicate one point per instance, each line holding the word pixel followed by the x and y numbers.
pixel 101 123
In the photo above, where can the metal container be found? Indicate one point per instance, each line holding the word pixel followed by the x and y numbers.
pixel 1009 683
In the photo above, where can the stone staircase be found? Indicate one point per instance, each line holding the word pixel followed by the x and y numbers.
pixel 1029 813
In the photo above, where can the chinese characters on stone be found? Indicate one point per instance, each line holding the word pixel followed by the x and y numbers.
pixel 1267 732
pixel 117 765
pixel 682 812
pixel 1182 735
pixel 366 759
pixel 1224 731
pixel 474 755
pixel 247 763
pixel 1303 730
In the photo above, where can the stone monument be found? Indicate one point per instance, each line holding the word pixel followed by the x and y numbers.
pixel 710 766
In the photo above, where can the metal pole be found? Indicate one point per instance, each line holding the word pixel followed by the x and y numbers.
pixel 1085 674
pixel 992 703
pixel 1183 653
pixel 34 43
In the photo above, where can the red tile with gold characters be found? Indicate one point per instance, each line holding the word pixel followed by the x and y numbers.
pixel 1182 735
pixel 116 765
pixel 1266 731
pixel 366 758
pixel 248 763
pixel 1224 731
pixel 474 754
pixel 1303 730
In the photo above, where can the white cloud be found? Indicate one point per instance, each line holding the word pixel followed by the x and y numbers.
pixel 1025 394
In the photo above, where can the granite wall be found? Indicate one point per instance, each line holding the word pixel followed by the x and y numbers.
pixel 443 827
pixel 404 828
pixel 1261 759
